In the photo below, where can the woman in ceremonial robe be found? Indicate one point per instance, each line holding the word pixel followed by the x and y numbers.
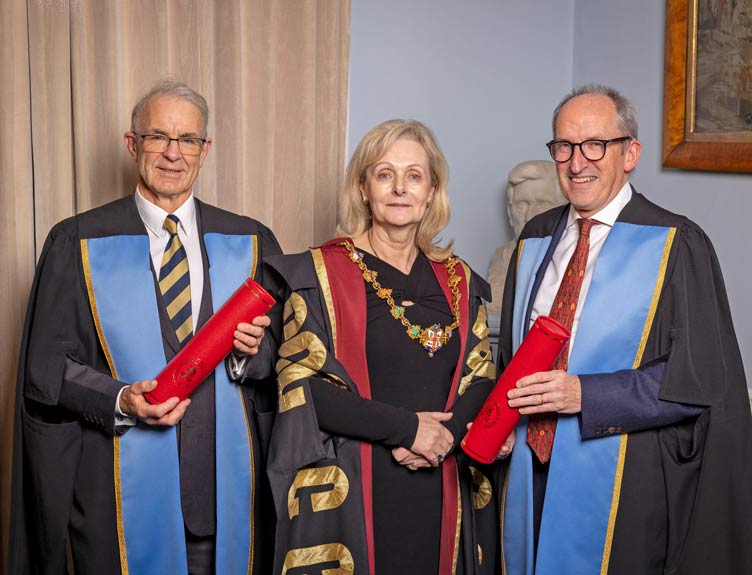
pixel 385 360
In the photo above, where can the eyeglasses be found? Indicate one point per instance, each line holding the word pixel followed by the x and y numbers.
pixel 159 143
pixel 593 150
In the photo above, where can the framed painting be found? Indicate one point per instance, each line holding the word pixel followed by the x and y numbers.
pixel 707 85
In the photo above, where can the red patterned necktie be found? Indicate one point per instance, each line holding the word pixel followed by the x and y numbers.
pixel 542 426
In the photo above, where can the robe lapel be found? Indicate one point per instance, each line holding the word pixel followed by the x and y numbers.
pixel 558 232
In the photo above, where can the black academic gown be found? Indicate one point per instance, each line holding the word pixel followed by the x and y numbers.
pixel 63 444
pixel 327 485
pixel 685 502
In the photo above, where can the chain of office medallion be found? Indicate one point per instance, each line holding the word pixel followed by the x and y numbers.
pixel 398 312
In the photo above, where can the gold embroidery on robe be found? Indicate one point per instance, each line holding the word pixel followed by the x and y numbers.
pixel 482 490
pixel 331 476
pixel 295 314
pixel 311 556
pixel 301 355
pixel 479 360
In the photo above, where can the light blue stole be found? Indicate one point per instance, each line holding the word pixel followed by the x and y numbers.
pixel 584 481
pixel 123 300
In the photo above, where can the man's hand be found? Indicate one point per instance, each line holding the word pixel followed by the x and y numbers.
pixel 547 391
pixel 248 336
pixel 133 403
pixel 432 441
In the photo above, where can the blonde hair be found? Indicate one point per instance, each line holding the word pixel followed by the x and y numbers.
pixel 355 216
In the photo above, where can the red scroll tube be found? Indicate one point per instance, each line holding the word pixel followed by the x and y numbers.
pixel 496 420
pixel 211 344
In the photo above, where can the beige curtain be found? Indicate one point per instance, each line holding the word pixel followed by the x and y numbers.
pixel 273 71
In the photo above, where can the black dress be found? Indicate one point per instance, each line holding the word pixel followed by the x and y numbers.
pixel 404 380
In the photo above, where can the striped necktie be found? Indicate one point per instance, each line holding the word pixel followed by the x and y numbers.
pixel 175 282
pixel 541 427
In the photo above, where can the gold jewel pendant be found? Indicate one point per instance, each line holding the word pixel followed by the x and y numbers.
pixel 431 338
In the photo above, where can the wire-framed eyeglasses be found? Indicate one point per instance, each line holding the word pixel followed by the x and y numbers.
pixel 159 143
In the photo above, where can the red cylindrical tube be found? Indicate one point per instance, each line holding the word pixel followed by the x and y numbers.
pixel 496 420
pixel 211 344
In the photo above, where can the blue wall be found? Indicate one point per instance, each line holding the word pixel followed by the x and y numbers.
pixel 486 75
pixel 483 75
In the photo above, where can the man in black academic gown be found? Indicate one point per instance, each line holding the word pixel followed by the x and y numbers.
pixel 177 487
pixel 635 454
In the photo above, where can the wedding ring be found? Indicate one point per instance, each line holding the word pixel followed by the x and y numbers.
pixel 412 468
pixel 540 396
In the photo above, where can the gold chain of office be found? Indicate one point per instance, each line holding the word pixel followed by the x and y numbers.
pixel 431 338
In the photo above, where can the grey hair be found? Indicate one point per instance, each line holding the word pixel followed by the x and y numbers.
pixel 626 111
pixel 169 88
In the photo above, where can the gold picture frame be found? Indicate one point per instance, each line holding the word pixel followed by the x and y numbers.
pixel 687 144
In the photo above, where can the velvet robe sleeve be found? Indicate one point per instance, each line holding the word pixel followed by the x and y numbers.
pixel 66 376
pixel 50 410
pixel 305 351
pixel 246 369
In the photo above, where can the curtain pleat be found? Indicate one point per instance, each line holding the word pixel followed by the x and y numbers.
pixel 16 227
pixel 274 73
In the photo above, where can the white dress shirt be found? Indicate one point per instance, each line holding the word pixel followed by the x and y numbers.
pixel 564 250
pixel 153 217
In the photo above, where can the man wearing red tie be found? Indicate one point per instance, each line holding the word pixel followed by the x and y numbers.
pixel 627 449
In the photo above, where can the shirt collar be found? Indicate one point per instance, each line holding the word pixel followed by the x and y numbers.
pixel 610 211
pixel 153 216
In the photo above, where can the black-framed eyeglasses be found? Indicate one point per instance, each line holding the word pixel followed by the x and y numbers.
pixel 562 150
pixel 159 143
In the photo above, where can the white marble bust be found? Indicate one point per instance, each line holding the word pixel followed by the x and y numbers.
pixel 532 189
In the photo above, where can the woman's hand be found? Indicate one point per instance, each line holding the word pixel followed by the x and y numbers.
pixel 409 459
pixel 432 441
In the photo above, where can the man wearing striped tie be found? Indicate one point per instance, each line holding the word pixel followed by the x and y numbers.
pixel 177 487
